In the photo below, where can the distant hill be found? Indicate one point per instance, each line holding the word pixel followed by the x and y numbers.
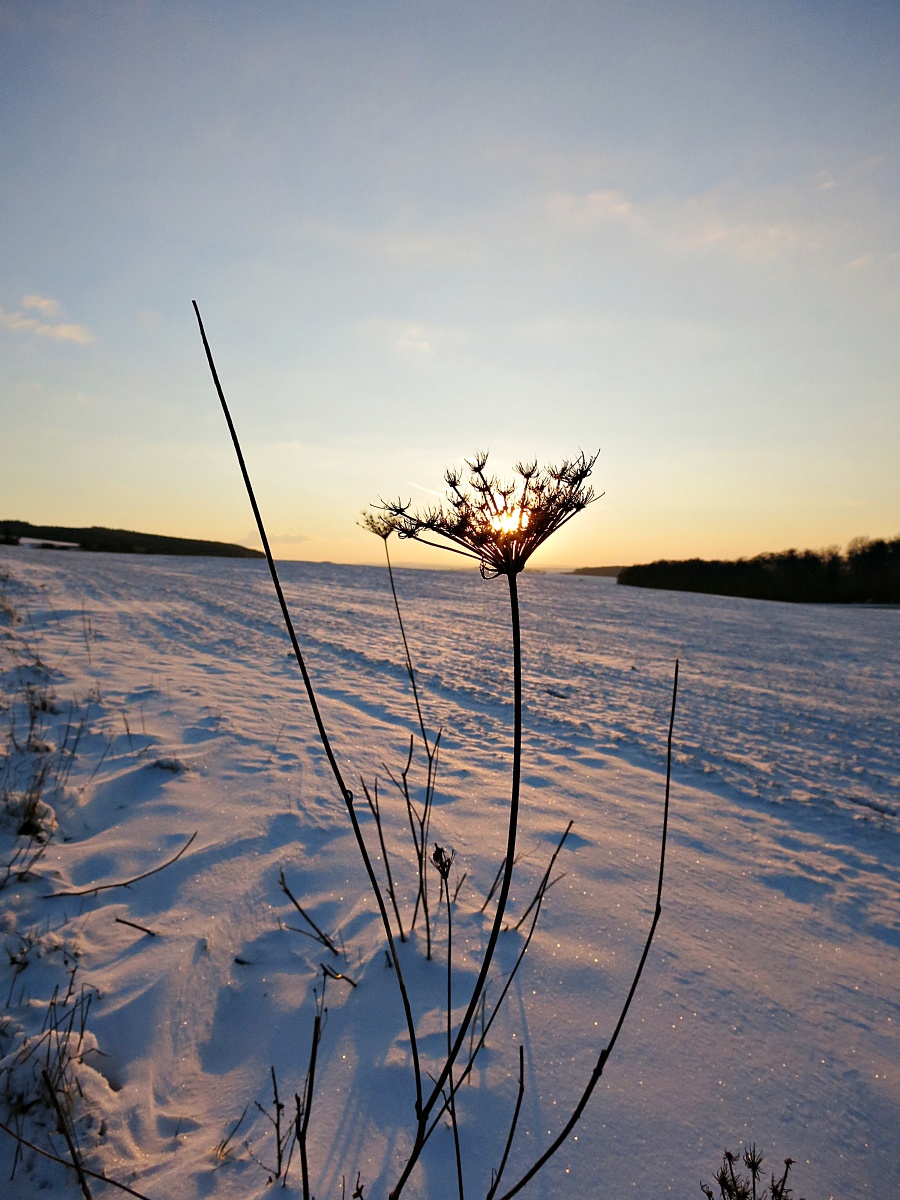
pixel 868 573
pixel 117 541
pixel 607 572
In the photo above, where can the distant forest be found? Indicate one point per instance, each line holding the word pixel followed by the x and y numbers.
pixel 868 572
pixel 117 541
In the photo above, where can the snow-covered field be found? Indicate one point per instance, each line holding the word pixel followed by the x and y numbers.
pixel 769 1007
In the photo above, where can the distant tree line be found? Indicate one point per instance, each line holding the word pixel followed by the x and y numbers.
pixel 118 541
pixel 868 572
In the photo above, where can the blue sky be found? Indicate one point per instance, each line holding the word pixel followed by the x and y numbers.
pixel 670 231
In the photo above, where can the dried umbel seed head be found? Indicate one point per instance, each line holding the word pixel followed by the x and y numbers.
pixel 380 526
pixel 443 861
pixel 498 523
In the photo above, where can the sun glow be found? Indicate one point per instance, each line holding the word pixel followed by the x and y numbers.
pixel 509 522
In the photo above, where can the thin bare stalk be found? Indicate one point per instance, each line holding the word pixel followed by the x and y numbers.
pixel 317 932
pixel 134 925
pixel 332 974
pixel 64 1130
pixel 409 665
pixel 494 885
pixel 372 798
pixel 279 1108
pixel 55 1158
pixel 419 823
pixel 512 831
pixel 486 1025
pixel 345 792
pixel 431 751
pixel 607 1050
pixel 443 862
pixel 545 884
pixel 105 887
pixel 304 1106
pixel 289 625
pixel 495 1183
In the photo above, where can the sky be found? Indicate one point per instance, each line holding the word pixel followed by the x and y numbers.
pixel 669 232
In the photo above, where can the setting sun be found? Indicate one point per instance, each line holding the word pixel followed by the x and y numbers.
pixel 509 522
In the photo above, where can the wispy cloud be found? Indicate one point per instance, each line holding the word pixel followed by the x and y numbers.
pixel 590 208
pixel 393 243
pixel 50 308
pixel 413 338
pixel 744 224
pixel 276 539
pixel 19 322
pixel 289 539
pixel 409 339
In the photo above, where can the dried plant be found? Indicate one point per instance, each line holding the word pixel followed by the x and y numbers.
pixel 735 1186
pixel 419 815
pixel 500 525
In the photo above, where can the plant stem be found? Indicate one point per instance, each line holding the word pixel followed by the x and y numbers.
pixel 452 1101
pixel 436 1092
pixel 346 794
pixel 409 666
pixel 512 1126
pixel 607 1050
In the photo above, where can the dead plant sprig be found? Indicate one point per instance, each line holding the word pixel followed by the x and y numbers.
pixel 476 1046
pixel 63 1121
pixel 317 933
pixel 573 1120
pixel 382 527
pixel 419 825
pixel 375 809
pixel 499 525
pixel 498 1174
pixel 304 1104
pixel 105 887
pixel 345 792
pixel 443 861
pixel 546 883
pixel 22 1141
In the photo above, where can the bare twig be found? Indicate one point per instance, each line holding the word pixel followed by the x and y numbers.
pixel 134 925
pixel 319 935
pixel 332 974
pixel 443 862
pixel 55 1158
pixel 304 1106
pixel 495 1182
pixel 222 1148
pixel 560 1139
pixel 486 1024
pixel 105 887
pixel 279 1108
pixel 346 794
pixel 374 806
pixel 64 1130
pixel 545 885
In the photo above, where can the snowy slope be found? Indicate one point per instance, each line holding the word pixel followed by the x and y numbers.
pixel 768 1009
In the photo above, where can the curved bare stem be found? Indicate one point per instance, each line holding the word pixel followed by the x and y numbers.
pixel 512 1125
pixel 535 909
pixel 345 792
pixel 607 1050
pixel 409 665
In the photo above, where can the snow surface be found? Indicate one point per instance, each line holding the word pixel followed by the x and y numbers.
pixel 768 1009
